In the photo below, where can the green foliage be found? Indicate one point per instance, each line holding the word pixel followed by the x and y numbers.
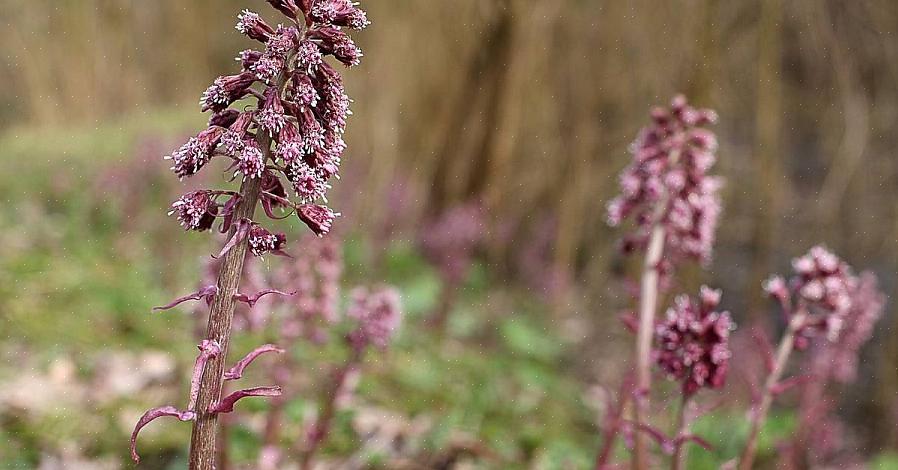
pixel 885 461
pixel 727 433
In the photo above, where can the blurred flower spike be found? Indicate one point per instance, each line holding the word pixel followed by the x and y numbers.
pixel 668 183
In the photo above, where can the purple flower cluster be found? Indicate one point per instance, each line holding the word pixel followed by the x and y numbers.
pixel 449 241
pixel 667 183
pixel 866 309
pixel 378 314
pixel 197 210
pixel 822 287
pixel 692 343
pixel 302 106
pixel 315 276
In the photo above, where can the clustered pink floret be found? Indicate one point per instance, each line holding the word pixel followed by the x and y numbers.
pixel 867 303
pixel 378 314
pixel 693 341
pixel 668 183
pixel 822 287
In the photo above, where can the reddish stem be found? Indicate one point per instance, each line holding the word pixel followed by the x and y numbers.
pixel 759 415
pixel 682 430
pixel 613 423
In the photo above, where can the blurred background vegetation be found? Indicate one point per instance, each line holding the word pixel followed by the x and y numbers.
pixel 526 106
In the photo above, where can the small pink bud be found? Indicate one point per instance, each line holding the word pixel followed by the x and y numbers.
pixel 252 25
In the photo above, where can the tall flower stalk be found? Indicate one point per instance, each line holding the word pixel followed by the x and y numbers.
pixel 290 138
pixel 822 298
pixel 675 204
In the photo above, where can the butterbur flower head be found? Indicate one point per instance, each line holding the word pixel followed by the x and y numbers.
pixel 866 309
pixel 193 155
pixel 312 131
pixel 308 185
pixel 326 160
pixel 777 288
pixel 288 7
pixel 378 314
pixel 334 105
pixel 225 90
pixel 823 285
pixel 283 42
pixel 261 241
pixel 252 25
pixel 334 41
pixel 303 90
pixel 667 183
pixel 317 217
pixel 271 117
pixel 195 210
pixel 308 56
pixel 267 68
pixel 290 147
pixel 250 160
pixel 692 342
pixel 233 140
pixel 339 13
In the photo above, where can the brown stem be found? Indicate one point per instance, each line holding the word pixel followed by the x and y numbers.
pixel 648 300
pixel 760 414
pixel 202 442
pixel 205 427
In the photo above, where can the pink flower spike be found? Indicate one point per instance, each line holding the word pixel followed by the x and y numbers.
pixel 226 405
pixel 152 414
pixel 236 372
pixel 252 299
pixel 206 293
pixel 208 350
